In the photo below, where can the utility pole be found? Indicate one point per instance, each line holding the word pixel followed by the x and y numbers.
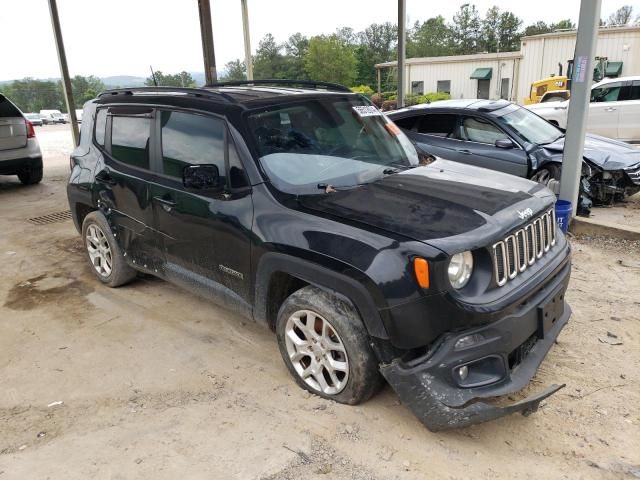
pixel 587 37
pixel 64 71
pixel 248 61
pixel 206 33
pixel 402 22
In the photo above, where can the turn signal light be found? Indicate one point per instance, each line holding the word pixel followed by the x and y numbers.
pixel 421 269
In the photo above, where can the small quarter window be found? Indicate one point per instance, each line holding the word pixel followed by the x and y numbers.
pixel 130 140
pixel 101 123
pixel 237 176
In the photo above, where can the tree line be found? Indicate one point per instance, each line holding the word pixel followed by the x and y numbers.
pixel 346 56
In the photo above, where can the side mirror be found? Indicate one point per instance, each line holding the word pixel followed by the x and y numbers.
pixel 504 143
pixel 201 177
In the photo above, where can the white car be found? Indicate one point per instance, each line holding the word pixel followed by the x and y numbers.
pixel 19 149
pixel 614 110
pixel 54 116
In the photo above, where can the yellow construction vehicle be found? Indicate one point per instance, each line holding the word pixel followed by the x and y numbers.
pixel 557 87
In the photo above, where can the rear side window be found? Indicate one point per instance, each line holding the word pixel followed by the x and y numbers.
pixel 130 140
pixel 101 126
pixel 189 139
pixel 408 123
pixel 635 90
pixel 7 109
pixel 439 125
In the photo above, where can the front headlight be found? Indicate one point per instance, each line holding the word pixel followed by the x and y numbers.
pixel 460 269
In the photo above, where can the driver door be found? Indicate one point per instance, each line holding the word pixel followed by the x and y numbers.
pixel 206 233
pixel 477 138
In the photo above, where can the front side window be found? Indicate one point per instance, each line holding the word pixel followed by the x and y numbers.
pixel 189 139
pixel 130 140
pixel 606 93
pixel 333 141
pixel 481 131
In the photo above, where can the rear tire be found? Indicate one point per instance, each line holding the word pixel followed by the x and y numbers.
pixel 103 252
pixel 326 347
pixel 31 176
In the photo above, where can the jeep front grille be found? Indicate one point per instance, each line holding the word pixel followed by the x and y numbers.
pixel 520 250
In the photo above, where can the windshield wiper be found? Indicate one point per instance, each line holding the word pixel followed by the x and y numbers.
pixel 554 140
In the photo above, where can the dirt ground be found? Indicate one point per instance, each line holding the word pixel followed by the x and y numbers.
pixel 148 381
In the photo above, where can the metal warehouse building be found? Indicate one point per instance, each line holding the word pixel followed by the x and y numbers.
pixel 509 75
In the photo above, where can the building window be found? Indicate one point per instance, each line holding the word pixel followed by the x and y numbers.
pixel 417 88
pixel 444 86
pixel 504 89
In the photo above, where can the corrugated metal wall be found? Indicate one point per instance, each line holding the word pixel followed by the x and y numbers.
pixel 540 57
pixel 459 74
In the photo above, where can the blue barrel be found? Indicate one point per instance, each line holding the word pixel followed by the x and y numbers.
pixel 563 214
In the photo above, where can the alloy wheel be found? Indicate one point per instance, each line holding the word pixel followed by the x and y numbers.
pixel 99 250
pixel 316 352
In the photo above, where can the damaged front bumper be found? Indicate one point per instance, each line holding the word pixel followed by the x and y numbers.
pixel 503 359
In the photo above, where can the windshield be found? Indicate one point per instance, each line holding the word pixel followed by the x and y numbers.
pixel 336 142
pixel 531 127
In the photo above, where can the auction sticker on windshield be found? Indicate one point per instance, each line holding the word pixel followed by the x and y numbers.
pixel 366 110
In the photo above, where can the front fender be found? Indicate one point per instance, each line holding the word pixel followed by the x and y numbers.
pixel 348 285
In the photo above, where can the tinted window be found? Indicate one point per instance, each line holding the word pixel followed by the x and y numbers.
pixel 408 123
pixel 130 140
pixel 606 93
pixel 7 109
pixel 101 123
pixel 635 91
pixel 478 130
pixel 440 125
pixel 189 139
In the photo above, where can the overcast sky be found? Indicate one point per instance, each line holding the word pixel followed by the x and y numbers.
pixel 123 37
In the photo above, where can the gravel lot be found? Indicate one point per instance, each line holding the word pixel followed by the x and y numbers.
pixel 149 381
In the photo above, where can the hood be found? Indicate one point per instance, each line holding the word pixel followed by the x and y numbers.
pixel 604 152
pixel 446 204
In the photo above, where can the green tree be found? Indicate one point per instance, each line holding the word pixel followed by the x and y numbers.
pixel 433 38
pixel 622 16
pixel 296 48
pixel 85 89
pixel 33 95
pixel 466 29
pixel 537 28
pixel 509 32
pixel 376 44
pixel 234 70
pixel 329 59
pixel 269 61
pixel 182 79
pixel 490 41
pixel 566 24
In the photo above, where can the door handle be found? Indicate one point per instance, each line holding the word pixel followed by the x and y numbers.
pixel 464 151
pixel 104 177
pixel 167 204
pixel 610 109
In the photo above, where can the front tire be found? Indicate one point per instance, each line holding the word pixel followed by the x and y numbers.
pixel 103 252
pixel 326 348
pixel 549 176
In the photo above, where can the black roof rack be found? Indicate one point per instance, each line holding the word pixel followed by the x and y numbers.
pixel 196 92
pixel 285 83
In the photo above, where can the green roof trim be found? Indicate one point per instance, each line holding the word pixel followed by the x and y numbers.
pixel 482 74
pixel 614 69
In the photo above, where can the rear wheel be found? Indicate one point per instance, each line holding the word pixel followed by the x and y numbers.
pixel 30 176
pixel 325 347
pixel 103 252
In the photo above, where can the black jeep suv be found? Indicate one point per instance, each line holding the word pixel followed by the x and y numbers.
pixel 301 206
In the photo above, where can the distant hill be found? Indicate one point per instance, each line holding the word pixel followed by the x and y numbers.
pixel 124 80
